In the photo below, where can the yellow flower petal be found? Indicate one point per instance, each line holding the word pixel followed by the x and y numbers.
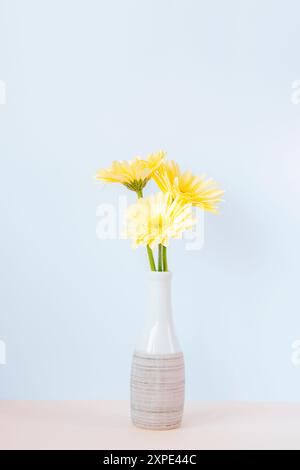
pixel 195 190
pixel 133 173
pixel 158 218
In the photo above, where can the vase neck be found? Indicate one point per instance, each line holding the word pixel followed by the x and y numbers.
pixel 160 301
pixel 159 335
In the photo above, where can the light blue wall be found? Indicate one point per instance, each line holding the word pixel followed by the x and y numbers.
pixel 92 81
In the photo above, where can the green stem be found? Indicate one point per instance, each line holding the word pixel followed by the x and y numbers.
pixel 151 258
pixel 160 257
pixel 165 260
pixel 149 250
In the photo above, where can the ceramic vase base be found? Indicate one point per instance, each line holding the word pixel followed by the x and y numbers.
pixel 157 390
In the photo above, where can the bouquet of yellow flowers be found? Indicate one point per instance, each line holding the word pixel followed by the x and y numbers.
pixel 152 221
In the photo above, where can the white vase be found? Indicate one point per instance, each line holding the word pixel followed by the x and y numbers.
pixel 157 374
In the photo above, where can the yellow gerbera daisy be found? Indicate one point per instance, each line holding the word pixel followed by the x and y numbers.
pixel 195 190
pixel 134 174
pixel 157 218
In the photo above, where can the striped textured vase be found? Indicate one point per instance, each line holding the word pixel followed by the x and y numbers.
pixel 157 374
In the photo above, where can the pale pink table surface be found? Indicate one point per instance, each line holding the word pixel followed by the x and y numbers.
pixel 106 425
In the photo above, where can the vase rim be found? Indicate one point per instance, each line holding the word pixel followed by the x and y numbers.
pixel 160 274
